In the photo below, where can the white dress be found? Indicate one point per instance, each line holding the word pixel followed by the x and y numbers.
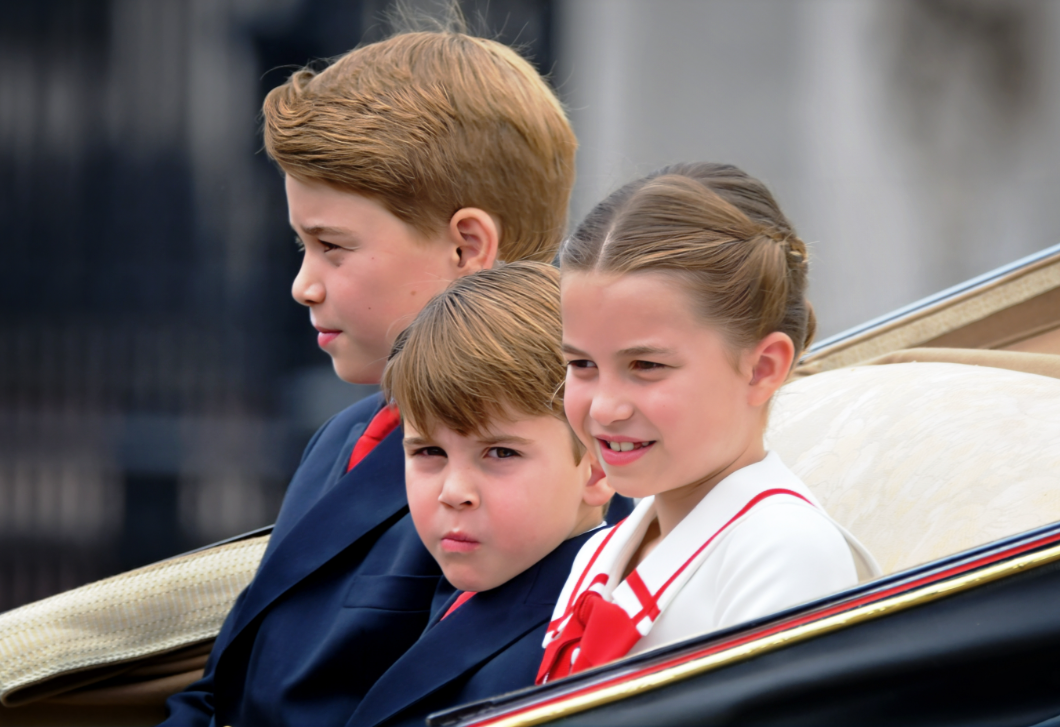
pixel 759 542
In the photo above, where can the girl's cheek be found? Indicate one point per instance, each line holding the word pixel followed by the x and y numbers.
pixel 576 401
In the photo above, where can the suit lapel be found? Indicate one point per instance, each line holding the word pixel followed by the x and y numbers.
pixel 360 501
pixel 481 628
pixel 445 652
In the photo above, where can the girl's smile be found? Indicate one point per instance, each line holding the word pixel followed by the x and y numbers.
pixel 664 400
pixel 618 451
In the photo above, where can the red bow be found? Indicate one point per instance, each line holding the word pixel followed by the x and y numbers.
pixel 598 632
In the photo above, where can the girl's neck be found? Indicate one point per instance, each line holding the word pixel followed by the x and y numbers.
pixel 673 506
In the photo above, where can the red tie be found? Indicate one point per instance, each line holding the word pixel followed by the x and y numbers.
pixel 382 424
pixel 460 601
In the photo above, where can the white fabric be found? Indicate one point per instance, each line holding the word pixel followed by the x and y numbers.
pixel 781 552
pixel 922 460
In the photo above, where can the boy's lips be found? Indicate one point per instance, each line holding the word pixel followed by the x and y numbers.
pixel 326 336
pixel 623 450
pixel 458 543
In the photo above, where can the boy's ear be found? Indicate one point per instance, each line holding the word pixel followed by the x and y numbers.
pixel 475 236
pixel 597 492
pixel 770 365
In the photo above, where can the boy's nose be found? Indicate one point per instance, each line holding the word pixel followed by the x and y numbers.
pixel 458 491
pixel 306 289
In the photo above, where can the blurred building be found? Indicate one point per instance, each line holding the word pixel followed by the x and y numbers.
pixel 914 143
pixel 157 383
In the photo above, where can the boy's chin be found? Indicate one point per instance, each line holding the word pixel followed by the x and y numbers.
pixel 462 580
pixel 357 372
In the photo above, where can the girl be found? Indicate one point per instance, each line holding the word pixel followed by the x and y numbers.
pixel 683 311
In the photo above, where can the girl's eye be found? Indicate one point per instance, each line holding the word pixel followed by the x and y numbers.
pixel 581 363
pixel 646 365
pixel 429 452
pixel 501 453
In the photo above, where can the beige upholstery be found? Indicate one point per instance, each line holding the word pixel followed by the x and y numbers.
pixel 999 313
pixel 921 460
pixel 130 639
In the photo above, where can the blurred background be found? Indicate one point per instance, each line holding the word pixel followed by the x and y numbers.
pixel 157 382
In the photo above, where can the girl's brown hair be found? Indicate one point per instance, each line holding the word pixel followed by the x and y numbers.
pixel 721 233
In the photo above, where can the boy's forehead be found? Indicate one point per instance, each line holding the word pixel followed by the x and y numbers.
pixel 498 429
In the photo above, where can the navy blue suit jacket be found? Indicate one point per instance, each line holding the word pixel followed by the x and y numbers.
pixel 489 646
pixel 344 589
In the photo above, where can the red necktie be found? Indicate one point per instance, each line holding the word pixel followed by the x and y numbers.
pixel 382 424
pixel 460 601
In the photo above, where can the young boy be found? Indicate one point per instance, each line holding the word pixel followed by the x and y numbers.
pixel 501 492
pixel 409 163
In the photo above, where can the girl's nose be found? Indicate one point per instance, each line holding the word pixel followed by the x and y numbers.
pixel 609 407
pixel 458 491
pixel 307 289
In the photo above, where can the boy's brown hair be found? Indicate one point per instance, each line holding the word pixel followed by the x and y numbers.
pixel 428 123
pixel 488 346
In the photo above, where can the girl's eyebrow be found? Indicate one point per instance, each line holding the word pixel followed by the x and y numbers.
pixel 635 351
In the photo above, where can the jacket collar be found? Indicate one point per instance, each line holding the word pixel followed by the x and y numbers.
pixel 357 503
pixel 473 634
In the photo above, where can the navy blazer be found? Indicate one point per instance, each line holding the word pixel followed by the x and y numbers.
pixel 489 646
pixel 344 588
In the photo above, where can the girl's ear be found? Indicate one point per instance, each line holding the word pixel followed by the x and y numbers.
pixel 475 236
pixel 770 365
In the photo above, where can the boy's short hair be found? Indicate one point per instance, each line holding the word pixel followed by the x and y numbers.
pixel 428 123
pixel 487 346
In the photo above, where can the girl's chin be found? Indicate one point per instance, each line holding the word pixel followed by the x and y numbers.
pixel 637 490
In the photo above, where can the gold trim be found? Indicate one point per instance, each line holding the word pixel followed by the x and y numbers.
pixel 926 594
pixel 941 318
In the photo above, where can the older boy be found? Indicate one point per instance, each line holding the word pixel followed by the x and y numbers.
pixel 501 492
pixel 409 163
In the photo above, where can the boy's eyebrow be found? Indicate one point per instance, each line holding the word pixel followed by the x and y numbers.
pixel 415 441
pixel 326 231
pixel 504 439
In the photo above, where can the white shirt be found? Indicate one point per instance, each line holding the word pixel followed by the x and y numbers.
pixel 730 560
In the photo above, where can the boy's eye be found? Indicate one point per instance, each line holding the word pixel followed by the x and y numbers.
pixel 328 247
pixel 581 363
pixel 501 453
pixel 429 452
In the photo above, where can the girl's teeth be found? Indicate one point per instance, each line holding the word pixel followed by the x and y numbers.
pixel 621 446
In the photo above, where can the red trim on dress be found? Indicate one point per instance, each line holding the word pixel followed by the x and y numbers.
pixel 600 631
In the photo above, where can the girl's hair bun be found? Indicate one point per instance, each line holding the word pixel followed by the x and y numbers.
pixel 719 230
